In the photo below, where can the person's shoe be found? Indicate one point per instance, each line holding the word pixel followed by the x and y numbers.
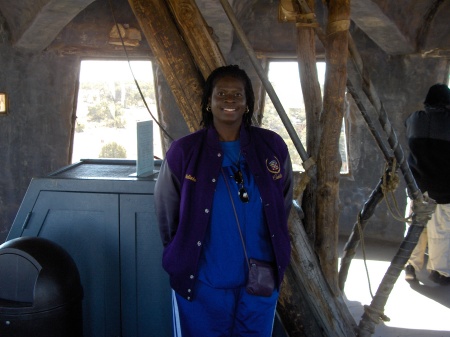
pixel 444 280
pixel 410 273
pixel 438 278
pixel 434 276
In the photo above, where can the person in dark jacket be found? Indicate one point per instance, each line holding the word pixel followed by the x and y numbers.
pixel 223 196
pixel 428 133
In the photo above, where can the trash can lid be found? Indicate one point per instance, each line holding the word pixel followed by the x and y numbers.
pixel 37 275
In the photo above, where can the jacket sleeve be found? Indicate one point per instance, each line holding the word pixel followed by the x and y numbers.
pixel 167 203
pixel 288 188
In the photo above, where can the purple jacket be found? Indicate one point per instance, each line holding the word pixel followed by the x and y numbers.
pixel 185 189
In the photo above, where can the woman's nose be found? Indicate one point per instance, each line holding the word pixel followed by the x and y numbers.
pixel 229 97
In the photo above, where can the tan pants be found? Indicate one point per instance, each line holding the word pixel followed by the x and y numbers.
pixel 439 240
pixel 417 259
pixel 437 237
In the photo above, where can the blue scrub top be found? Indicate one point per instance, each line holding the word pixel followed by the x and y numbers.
pixel 222 264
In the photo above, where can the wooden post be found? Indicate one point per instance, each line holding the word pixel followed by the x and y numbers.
pixel 306 55
pixel 173 56
pixel 329 160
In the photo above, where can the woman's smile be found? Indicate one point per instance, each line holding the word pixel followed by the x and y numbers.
pixel 228 102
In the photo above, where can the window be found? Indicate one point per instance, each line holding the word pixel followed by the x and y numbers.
pixel 109 106
pixel 284 76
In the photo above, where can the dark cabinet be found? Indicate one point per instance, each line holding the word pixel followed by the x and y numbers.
pixel 104 217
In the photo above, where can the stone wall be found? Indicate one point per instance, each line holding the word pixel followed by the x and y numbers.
pixel 35 135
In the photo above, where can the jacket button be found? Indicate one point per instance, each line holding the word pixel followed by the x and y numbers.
pixel 188 298
pixel 219 155
pixel 199 243
pixel 189 290
pixel 213 180
pixel 191 277
pixel 206 210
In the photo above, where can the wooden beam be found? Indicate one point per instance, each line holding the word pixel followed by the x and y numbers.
pixel 307 63
pixel 307 305
pixel 173 56
pixel 329 160
pixel 197 35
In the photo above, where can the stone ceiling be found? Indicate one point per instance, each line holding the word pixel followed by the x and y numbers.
pixel 397 27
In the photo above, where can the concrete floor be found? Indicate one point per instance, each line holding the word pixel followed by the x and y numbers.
pixel 418 309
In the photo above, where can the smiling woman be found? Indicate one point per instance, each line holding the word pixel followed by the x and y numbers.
pixel 209 198
pixel 228 106
pixel 109 106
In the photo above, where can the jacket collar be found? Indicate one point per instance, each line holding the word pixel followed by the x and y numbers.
pixel 212 137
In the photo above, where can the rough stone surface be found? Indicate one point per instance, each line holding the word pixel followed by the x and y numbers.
pixel 35 134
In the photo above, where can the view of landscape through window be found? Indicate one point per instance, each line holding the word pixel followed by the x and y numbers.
pixel 109 107
pixel 284 76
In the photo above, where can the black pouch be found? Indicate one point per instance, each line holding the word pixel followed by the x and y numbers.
pixel 261 278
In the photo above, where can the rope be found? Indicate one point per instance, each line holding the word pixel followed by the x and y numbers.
pixel 388 187
pixel 363 249
pixel 375 315
pixel 389 184
pixel 307 24
pixel 338 26
pixel 422 211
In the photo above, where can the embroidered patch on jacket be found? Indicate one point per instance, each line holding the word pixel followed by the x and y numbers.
pixel 274 167
pixel 189 177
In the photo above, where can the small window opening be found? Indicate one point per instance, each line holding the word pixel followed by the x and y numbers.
pixel 285 79
pixel 109 107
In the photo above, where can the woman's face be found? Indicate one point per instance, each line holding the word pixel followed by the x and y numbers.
pixel 228 102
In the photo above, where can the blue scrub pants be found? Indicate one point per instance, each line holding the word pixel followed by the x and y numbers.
pixel 223 312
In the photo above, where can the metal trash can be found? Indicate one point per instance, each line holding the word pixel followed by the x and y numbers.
pixel 40 290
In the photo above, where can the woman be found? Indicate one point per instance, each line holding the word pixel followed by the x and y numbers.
pixel 224 193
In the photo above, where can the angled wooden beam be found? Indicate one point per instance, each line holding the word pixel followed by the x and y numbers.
pixel 173 56
pixel 197 35
pixel 307 305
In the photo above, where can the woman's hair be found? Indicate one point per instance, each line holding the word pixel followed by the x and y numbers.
pixel 438 95
pixel 217 74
